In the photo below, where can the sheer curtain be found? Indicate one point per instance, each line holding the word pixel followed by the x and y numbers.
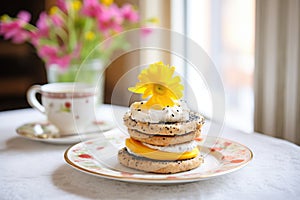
pixel 277 69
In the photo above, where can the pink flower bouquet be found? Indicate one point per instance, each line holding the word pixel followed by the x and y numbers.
pixel 72 29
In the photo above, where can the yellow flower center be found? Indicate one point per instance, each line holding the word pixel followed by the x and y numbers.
pixel 76 5
pixel 160 89
pixel 53 10
pixel 4 18
pixel 107 2
pixel 154 20
pixel 90 35
pixel 159 85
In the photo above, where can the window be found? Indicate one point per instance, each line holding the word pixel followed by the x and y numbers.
pixel 225 30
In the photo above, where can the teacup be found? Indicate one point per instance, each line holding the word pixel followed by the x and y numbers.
pixel 69 106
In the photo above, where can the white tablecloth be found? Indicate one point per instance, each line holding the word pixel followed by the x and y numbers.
pixel 36 170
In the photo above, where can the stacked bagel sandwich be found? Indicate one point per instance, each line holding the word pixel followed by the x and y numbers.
pixel 161 140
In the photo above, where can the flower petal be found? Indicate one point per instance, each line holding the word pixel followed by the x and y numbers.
pixel 24 16
pixel 158 83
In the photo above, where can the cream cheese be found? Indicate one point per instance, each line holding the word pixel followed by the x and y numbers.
pixel 177 113
pixel 178 148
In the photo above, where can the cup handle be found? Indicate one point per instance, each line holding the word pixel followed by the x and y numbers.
pixel 32 100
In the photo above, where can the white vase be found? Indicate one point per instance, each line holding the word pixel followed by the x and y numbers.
pixel 90 71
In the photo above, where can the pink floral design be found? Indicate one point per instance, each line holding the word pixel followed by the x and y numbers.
pixel 62 4
pixel 226 144
pixel 66 107
pixel 100 148
pixel 14 29
pixel 110 19
pixel 68 104
pixel 43 26
pixel 234 156
pixel 92 8
pixel 145 31
pixel 237 161
pixel 98 122
pixel 52 55
pixel 215 149
pixel 129 13
pixel 127 174
pixel 87 156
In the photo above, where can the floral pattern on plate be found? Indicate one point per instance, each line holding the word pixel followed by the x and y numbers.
pixel 99 157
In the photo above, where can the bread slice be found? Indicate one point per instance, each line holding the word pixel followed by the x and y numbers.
pixel 163 140
pixel 194 123
pixel 157 166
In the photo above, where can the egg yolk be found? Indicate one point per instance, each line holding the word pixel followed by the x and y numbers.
pixel 141 150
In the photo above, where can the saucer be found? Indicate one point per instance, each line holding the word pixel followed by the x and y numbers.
pixel 46 132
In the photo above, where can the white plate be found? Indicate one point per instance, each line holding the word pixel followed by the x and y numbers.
pixel 47 132
pixel 98 157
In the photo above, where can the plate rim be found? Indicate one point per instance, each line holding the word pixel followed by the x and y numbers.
pixel 156 180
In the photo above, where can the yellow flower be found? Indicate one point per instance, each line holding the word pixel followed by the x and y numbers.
pixel 4 18
pixel 76 5
pixel 53 10
pixel 107 2
pixel 154 20
pixel 158 83
pixel 89 35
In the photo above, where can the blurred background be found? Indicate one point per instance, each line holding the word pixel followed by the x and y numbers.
pixel 253 44
pixel 20 67
pixel 230 46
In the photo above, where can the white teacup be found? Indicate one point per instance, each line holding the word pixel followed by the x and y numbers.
pixel 69 106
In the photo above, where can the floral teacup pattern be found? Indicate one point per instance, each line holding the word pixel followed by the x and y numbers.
pixel 69 106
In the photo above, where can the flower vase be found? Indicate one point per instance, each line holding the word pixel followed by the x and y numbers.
pixel 90 72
